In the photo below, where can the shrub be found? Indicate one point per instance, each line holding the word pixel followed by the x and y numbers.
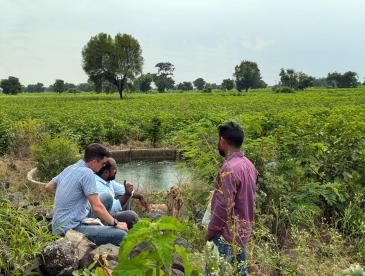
pixel 53 155
pixel 27 133
pixel 6 134
pixel 282 89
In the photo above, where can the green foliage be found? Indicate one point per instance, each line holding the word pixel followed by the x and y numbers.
pixel 27 133
pixel 282 89
pixel 353 270
pixel 163 79
pixel 347 80
pixel 22 238
pixel 228 84
pixel 11 85
pixel 59 86
pixel 247 75
pixel 295 80
pixel 199 83
pixel 117 60
pixel 185 86
pixel 156 258
pixel 154 131
pixel 53 155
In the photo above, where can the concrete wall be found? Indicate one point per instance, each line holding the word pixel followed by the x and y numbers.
pixel 144 154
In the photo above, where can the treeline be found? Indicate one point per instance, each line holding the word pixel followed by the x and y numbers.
pixel 115 64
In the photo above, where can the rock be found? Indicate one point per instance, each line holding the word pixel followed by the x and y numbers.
pixel 139 248
pixel 177 263
pixel 176 272
pixel 65 254
pixel 4 185
pixel 109 250
pixel 60 258
pixel 17 200
pixel 184 243
pixel 39 211
pixel 157 211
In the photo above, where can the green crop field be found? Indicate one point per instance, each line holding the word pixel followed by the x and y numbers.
pixel 308 147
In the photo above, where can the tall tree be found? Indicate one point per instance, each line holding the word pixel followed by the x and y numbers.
pixel 59 86
pixel 185 86
pixel 295 80
pixel 247 75
pixel 34 88
pixel 347 80
pixel 11 85
pixel 228 84
pixel 163 79
pixel 117 60
pixel 143 82
pixel 199 83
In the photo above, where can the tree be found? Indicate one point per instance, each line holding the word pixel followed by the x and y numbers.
pixel 185 86
pixel 117 60
pixel 35 88
pixel 247 75
pixel 143 83
pixel 288 78
pixel 228 84
pixel 11 85
pixel 199 83
pixel 305 81
pixel 295 80
pixel 163 79
pixel 59 86
pixel 347 80
pixel 85 87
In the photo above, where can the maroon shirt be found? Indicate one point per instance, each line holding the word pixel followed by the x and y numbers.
pixel 233 200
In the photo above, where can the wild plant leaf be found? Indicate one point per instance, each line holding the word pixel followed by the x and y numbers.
pixel 169 223
pixel 184 255
pixel 164 245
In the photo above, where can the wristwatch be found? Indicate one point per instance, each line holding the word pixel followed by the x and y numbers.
pixel 115 222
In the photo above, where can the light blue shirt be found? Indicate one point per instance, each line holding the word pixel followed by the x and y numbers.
pixel 73 185
pixel 113 188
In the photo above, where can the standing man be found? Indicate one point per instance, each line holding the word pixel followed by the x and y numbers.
pixel 74 187
pixel 115 196
pixel 232 213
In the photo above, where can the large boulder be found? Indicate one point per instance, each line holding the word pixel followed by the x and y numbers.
pixel 60 258
pixel 65 254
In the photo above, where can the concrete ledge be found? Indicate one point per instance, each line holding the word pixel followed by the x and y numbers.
pixel 159 154
pixel 125 156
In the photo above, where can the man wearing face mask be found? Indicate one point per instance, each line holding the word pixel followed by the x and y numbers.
pixel 115 196
pixel 232 206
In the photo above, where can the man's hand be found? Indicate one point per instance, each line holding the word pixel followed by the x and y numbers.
pixel 122 226
pixel 128 187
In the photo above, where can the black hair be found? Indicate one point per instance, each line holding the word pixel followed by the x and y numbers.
pixel 106 167
pixel 232 133
pixel 95 151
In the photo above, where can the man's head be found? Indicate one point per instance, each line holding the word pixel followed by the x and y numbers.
pixel 230 138
pixel 109 170
pixel 95 156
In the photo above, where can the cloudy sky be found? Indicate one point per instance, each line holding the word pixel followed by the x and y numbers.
pixel 41 40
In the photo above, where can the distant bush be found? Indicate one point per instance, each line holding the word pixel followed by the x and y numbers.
pixel 26 133
pixel 53 155
pixel 282 89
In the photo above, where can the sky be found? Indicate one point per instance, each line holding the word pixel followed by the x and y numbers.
pixel 41 40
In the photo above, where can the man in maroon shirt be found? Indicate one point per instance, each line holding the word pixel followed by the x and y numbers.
pixel 233 201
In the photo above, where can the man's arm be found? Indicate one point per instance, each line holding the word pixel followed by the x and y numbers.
pixel 99 209
pixel 51 187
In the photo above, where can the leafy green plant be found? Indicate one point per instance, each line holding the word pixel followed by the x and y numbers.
pixel 22 238
pixel 53 155
pixel 353 270
pixel 156 258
